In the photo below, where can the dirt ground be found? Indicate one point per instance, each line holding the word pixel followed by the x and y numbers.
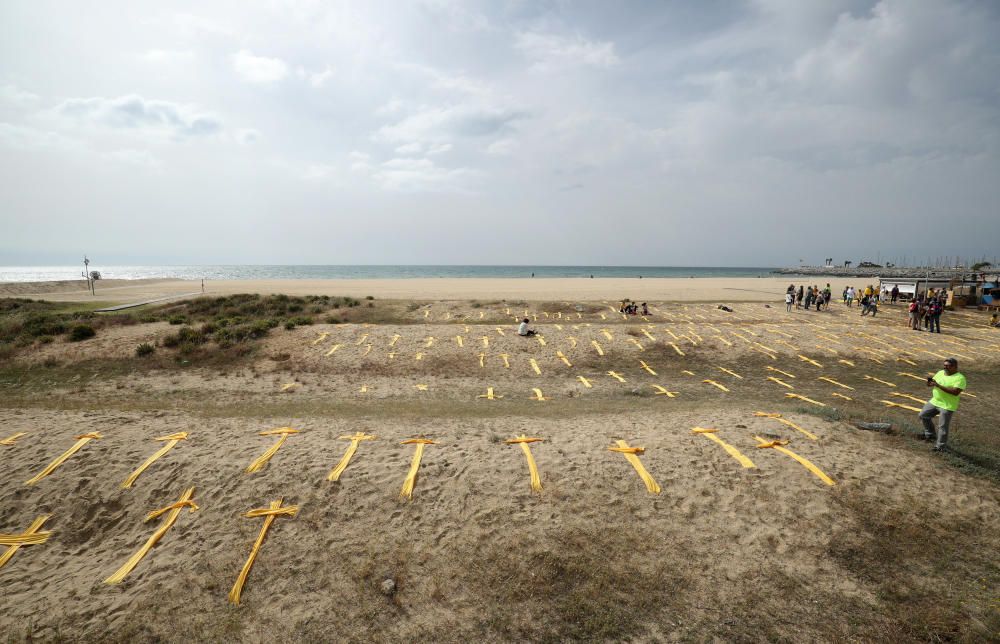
pixel 902 547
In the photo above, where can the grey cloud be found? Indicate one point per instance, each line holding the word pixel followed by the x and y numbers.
pixel 135 112
pixel 438 124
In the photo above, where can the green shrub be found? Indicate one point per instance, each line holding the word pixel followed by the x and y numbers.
pixel 144 349
pixel 369 297
pixel 46 339
pixel 289 325
pixel 177 319
pixel 81 332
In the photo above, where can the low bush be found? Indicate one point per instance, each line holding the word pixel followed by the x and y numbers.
pixel 144 349
pixel 81 332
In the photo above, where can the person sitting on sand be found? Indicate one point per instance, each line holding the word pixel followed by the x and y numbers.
pixel 523 329
pixel 645 309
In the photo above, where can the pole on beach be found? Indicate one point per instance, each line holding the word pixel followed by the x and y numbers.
pixel 86 274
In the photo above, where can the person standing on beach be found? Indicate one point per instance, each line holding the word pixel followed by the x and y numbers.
pixel 937 307
pixel 914 310
pixel 850 296
pixel 948 385
pixel 895 293
pixel 798 296
pixel 788 301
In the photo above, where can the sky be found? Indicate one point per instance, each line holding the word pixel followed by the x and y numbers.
pixel 699 133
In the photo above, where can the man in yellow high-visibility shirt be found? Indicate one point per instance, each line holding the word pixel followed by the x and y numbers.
pixel 948 384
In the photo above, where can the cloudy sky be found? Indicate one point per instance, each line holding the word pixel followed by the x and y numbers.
pixel 752 132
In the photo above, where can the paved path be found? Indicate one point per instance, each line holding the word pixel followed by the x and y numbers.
pixel 135 304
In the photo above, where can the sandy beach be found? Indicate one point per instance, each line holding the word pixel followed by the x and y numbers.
pixel 697 289
pixel 477 554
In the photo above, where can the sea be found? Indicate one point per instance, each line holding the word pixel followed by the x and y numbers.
pixel 313 271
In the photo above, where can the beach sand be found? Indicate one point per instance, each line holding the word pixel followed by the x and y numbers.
pixel 698 289
pixel 724 552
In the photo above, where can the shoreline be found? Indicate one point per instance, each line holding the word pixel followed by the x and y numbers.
pixel 652 289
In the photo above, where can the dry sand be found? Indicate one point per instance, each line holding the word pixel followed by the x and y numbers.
pixel 700 289
pixel 723 552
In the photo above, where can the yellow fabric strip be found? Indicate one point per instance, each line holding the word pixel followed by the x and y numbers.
pixel 715 384
pixel 30 537
pixel 332 349
pixel 847 362
pixel 421 387
pixel 785 421
pixel 631 455
pixel 780 382
pixel 907 361
pixel 561 356
pixel 534 365
pixel 411 477
pixel 361 340
pixel 356 439
pixel 777 445
pixel 572 342
pixel 889 403
pixel 784 373
pixel 910 375
pixel 289 386
pixel 10 440
pixel 648 369
pixel 395 338
pixel 731 373
pixel 607 334
pixel 662 391
pixel 586 383
pixel 506 362
pixel 676 348
pixel 522 440
pixel 270 514
pixel 841 396
pixel 322 336
pixel 430 341
pixel 458 339
pixel 489 395
pixel 482 360
pixel 616 376
pixel 174 511
pixel 541 340
pixel 538 394
pixel 500 331
pixel 486 341
pixel 82 440
pixel 913 398
pixel 262 460
pixel 600 351
pixel 732 451
pixel 727 342
pixel 884 382
pixel 636 343
pixel 172 440
pixel 808 400
pixel 834 382
pixel 810 361
pixel 646 333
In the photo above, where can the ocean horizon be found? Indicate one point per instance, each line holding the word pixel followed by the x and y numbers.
pixel 366 271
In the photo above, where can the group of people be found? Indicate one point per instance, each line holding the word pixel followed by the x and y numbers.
pixel 927 308
pixel 811 294
pixel 868 299
pixel 628 307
